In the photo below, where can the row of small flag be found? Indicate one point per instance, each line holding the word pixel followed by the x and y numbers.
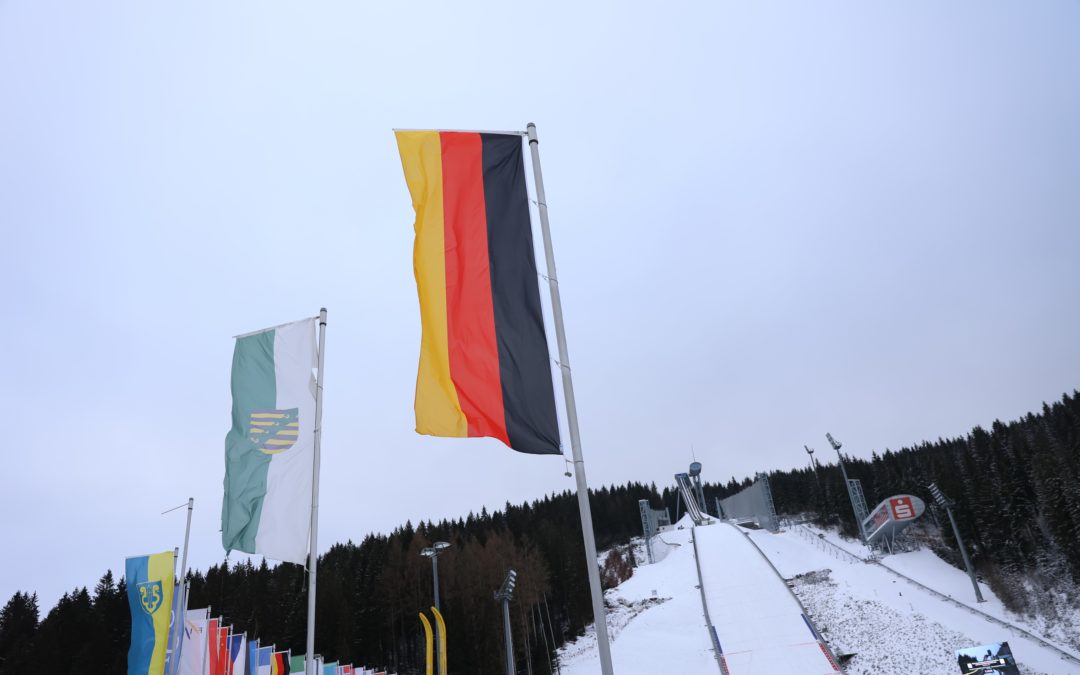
pixel 209 647
pixel 205 645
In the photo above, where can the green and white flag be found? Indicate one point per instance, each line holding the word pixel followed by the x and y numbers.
pixel 270 450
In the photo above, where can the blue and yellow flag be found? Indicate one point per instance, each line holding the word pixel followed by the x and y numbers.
pixel 150 593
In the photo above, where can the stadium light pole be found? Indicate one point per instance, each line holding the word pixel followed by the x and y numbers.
pixel 947 504
pixel 813 463
pixel 836 446
pixel 433 552
pixel 851 486
pixel 503 595
pixel 817 478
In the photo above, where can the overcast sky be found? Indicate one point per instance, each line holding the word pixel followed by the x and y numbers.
pixel 770 221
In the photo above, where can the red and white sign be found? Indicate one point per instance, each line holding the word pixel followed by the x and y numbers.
pixel 892 515
pixel 902 508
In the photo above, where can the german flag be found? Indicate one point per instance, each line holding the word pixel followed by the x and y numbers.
pixel 484 364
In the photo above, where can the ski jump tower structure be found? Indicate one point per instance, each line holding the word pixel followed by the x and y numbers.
pixel 690 491
pixel 755 503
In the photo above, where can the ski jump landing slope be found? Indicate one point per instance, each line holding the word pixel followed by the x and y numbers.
pixel 760 625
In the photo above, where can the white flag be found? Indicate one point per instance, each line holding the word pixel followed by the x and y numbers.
pixel 193 653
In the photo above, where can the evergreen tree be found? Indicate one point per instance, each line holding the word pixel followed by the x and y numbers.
pixel 18 626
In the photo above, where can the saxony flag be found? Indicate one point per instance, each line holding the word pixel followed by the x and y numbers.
pixel 269 452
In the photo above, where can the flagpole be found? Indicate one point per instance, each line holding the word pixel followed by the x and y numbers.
pixel 599 615
pixel 206 652
pixel 313 551
pixel 181 614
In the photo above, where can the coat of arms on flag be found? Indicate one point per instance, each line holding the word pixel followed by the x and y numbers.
pixel 150 596
pixel 274 431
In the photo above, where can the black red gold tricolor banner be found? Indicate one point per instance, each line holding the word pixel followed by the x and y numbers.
pixel 484 364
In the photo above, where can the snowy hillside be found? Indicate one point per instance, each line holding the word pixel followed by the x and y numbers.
pixel 655 618
pixel 890 625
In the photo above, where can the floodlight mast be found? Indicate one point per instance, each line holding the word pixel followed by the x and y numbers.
pixel 836 445
pixel 813 465
pixel 854 490
pixel 503 595
pixel 433 552
pixel 947 504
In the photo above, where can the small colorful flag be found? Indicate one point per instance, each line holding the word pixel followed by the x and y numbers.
pixel 266 657
pixel 269 452
pixel 175 636
pixel 296 664
pixel 253 657
pixel 150 584
pixel 193 654
pixel 211 647
pixel 221 646
pixel 281 663
pixel 485 369
pixel 238 654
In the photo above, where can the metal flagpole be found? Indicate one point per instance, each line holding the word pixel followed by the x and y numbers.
pixel 181 619
pixel 206 652
pixel 599 614
pixel 181 614
pixel 313 552
pixel 170 655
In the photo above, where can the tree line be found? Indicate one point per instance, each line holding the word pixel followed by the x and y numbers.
pixel 369 595
pixel 1016 488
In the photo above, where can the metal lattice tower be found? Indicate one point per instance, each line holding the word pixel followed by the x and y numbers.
pixel 858 500
pixel 767 490
pixel 646 526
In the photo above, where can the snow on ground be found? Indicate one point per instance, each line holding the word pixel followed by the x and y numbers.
pixel 760 626
pixel 928 569
pixel 655 620
pixel 893 626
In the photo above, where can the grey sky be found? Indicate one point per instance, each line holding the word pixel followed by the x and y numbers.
pixel 770 221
